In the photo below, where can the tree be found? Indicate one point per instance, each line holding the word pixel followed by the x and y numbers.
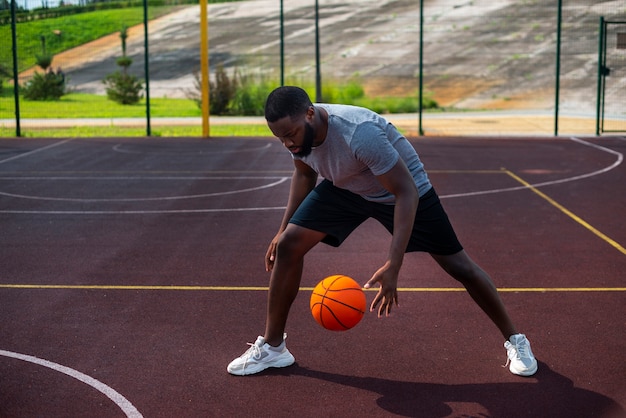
pixel 122 87
pixel 47 86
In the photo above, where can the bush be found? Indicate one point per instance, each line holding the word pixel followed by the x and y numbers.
pixel 44 61
pixel 348 93
pixel 4 73
pixel 123 88
pixel 124 61
pixel 47 86
pixel 245 95
pixel 196 93
pixel 239 95
pixel 221 92
pixel 250 95
pixel 250 101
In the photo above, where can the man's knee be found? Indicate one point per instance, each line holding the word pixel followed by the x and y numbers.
pixel 295 242
pixel 459 266
pixel 287 244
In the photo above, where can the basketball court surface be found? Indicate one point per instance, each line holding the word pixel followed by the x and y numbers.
pixel 133 273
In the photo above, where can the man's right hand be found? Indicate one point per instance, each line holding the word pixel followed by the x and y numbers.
pixel 270 255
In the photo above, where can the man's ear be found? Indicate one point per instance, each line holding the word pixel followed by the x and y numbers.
pixel 310 113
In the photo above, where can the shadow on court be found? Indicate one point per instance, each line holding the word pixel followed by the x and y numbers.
pixel 549 394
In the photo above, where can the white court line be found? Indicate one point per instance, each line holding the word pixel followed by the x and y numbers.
pixel 137 212
pixel 119 148
pixel 15 157
pixel 617 162
pixel 147 199
pixel 126 178
pixel 110 393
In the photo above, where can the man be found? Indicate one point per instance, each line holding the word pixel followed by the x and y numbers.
pixel 369 170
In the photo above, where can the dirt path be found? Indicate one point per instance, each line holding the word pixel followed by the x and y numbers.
pixel 100 49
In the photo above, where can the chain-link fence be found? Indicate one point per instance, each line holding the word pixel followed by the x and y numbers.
pixel 537 63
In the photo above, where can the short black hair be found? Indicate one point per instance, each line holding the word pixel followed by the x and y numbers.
pixel 286 101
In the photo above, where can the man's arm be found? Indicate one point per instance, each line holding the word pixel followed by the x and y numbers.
pixel 400 183
pixel 303 181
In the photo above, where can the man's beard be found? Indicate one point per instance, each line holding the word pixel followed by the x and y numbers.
pixel 307 141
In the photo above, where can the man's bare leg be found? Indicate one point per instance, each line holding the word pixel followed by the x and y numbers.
pixel 480 287
pixel 285 279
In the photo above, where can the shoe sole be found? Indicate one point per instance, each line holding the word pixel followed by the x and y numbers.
pixel 525 373
pixel 283 360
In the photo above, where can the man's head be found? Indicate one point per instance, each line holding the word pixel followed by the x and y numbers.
pixel 286 101
pixel 290 116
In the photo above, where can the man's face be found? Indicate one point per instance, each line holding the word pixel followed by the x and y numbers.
pixel 297 135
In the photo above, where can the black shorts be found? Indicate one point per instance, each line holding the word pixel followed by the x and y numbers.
pixel 338 212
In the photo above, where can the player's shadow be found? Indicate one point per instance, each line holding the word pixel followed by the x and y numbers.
pixel 546 394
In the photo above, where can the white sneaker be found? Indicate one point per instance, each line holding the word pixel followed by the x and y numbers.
pixel 261 356
pixel 521 360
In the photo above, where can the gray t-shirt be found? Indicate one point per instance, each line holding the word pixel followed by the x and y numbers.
pixel 359 145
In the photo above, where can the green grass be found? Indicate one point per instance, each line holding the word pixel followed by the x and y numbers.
pixel 91 106
pixel 79 105
pixel 238 130
pixel 75 30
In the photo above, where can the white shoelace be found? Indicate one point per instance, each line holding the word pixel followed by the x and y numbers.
pixel 511 352
pixel 254 351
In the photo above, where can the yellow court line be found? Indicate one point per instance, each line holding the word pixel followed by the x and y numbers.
pixel 465 171
pixel 265 288
pixel 563 209
pixel 206 172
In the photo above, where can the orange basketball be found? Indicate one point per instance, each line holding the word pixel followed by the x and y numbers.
pixel 338 303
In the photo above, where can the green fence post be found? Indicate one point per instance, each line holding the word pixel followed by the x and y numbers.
pixel 204 69
pixel 146 65
pixel 558 69
pixel 600 69
pixel 282 44
pixel 318 71
pixel 421 70
pixel 16 85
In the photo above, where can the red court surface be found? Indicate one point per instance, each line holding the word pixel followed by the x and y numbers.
pixel 132 274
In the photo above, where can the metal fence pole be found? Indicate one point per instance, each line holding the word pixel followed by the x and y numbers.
pixel 146 65
pixel 282 44
pixel 204 68
pixel 558 69
pixel 421 70
pixel 318 73
pixel 599 96
pixel 16 85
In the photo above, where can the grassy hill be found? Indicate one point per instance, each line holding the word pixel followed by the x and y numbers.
pixel 63 33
